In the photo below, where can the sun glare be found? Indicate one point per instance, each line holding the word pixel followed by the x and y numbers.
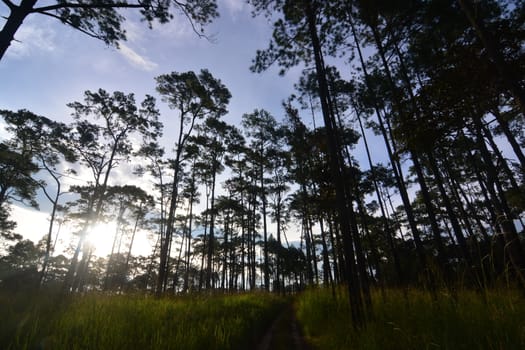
pixel 101 237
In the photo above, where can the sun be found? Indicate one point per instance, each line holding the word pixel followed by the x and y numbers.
pixel 101 237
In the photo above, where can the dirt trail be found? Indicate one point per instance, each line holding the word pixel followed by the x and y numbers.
pixel 284 334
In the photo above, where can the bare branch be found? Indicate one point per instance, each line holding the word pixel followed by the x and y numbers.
pixel 185 12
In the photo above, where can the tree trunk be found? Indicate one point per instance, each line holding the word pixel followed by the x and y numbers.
pixel 13 22
pixel 513 247
pixel 336 167
pixel 399 179
pixel 50 230
pixel 265 227
pixel 387 228
pixel 211 243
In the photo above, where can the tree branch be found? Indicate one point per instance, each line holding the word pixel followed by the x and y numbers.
pixel 71 24
pixel 190 19
pixel 85 6
pixel 9 4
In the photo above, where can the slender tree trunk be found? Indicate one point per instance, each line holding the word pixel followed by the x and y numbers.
pixel 243 244
pixel 47 255
pixel 502 161
pixel 451 213
pixel 436 232
pixel 504 217
pixel 278 258
pixel 135 227
pixel 307 242
pixel 253 242
pixel 188 243
pixel 265 227
pixel 204 242
pixel 353 194
pixel 109 266
pixel 74 265
pixel 335 250
pixel 336 167
pixel 327 274
pixel 399 179
pixel 225 251
pixel 166 243
pixel 211 243
pixel 384 216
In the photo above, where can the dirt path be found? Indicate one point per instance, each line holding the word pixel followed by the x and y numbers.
pixel 284 334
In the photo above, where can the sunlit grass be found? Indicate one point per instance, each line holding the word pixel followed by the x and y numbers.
pixel 124 322
pixel 466 321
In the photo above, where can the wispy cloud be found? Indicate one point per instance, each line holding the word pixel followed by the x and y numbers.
pixel 30 40
pixel 135 59
pixel 234 7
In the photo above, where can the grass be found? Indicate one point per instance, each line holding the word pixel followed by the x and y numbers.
pixel 468 320
pixel 136 322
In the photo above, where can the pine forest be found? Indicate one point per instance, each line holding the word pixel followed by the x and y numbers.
pixel 380 206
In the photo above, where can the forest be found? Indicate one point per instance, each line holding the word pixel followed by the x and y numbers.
pixel 422 248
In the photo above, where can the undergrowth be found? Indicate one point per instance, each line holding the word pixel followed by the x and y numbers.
pixel 467 320
pixel 135 322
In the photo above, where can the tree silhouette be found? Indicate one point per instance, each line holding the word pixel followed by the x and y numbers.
pixel 101 19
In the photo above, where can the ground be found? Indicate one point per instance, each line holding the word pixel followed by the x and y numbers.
pixel 284 333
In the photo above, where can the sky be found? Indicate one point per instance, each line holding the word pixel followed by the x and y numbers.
pixel 51 65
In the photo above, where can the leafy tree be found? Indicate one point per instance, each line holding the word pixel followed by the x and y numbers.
pixel 298 38
pixel 195 97
pixel 131 204
pixel 103 146
pixel 213 139
pixel 19 268
pixel 265 136
pixel 46 141
pixel 16 183
pixel 35 145
pixel 102 19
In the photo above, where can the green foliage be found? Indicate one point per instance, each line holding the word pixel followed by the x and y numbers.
pixel 136 322
pixel 468 320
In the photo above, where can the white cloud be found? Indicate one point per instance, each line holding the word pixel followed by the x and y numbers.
pixel 30 39
pixel 134 29
pixel 178 31
pixel 135 59
pixel 31 224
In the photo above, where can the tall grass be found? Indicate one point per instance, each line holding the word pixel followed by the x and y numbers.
pixel 467 320
pixel 124 322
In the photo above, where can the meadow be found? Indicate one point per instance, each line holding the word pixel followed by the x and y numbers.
pixel 401 319
pixel 96 321
pixel 415 319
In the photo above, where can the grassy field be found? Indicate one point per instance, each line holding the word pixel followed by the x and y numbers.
pixel 469 320
pixel 136 322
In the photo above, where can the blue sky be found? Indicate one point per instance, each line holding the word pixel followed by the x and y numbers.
pixel 53 65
